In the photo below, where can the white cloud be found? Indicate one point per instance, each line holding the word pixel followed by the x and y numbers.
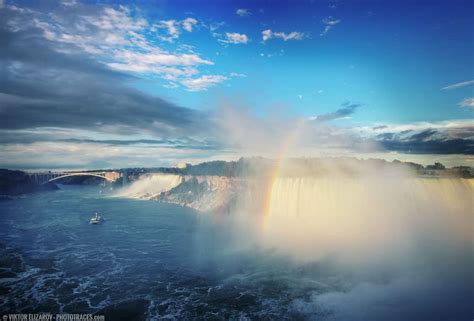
pixel 171 85
pixel 458 85
pixel 468 102
pixel 300 97
pixel 162 58
pixel 235 38
pixel 120 38
pixel 188 24
pixel 294 35
pixel 329 23
pixel 169 66
pixel 168 73
pixel 243 12
pixel 172 29
pixel 203 82
pixel 116 19
pixel 235 74
pixel 266 34
pixel 66 3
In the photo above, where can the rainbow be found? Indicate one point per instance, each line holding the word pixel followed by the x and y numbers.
pixel 275 173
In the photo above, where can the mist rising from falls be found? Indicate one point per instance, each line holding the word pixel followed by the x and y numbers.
pixel 150 186
pixel 357 218
pixel 383 242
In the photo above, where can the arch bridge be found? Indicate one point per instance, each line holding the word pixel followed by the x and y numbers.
pixel 45 178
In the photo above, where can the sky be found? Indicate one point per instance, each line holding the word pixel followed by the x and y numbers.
pixel 114 84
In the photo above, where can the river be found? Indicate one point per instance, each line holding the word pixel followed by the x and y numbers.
pixel 152 261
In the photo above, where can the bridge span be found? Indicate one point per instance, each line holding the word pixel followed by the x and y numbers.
pixel 47 177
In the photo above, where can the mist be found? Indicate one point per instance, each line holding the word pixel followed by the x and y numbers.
pixel 398 246
pixel 361 239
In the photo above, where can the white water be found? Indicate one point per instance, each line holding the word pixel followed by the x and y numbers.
pixel 399 247
pixel 357 218
pixel 150 186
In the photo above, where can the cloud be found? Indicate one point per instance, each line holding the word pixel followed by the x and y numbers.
pixel 243 12
pixel 266 34
pixel 294 35
pixel 164 58
pixel 432 146
pixel 170 66
pixel 235 38
pixel 329 23
pixel 117 36
pixel 203 82
pixel 346 110
pixel 83 155
pixel 30 136
pixel 44 87
pixel 236 74
pixel 458 85
pixel 451 137
pixel 189 23
pixel 468 102
pixel 171 27
pixel 61 106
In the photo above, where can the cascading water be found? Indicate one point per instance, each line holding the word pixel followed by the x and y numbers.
pixel 356 217
pixel 150 186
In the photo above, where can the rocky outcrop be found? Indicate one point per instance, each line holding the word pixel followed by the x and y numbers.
pixel 205 193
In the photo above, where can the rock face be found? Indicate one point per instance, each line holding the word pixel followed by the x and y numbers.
pixel 204 193
pixel 249 185
pixel 17 182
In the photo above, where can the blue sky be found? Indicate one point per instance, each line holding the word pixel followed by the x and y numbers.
pixel 393 57
pixel 197 80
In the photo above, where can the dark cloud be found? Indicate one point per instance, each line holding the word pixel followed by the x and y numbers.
pixel 347 108
pixel 423 135
pixel 385 136
pixel 43 87
pixel 430 141
pixel 170 143
pixel 450 146
pixel 8 137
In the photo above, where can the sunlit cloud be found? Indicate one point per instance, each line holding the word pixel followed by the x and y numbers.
pixel 458 85
pixel 203 82
pixel 189 23
pixel 468 102
pixel 120 37
pixel 329 23
pixel 294 35
pixel 243 12
pixel 235 38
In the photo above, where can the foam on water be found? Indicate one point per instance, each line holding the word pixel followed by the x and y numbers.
pixel 150 186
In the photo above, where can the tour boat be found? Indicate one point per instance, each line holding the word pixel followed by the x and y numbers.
pixel 96 219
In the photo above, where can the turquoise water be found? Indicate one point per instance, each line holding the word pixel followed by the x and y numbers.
pixel 156 261
pixel 149 259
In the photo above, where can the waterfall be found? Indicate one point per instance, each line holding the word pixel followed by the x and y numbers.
pixel 149 186
pixel 368 216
